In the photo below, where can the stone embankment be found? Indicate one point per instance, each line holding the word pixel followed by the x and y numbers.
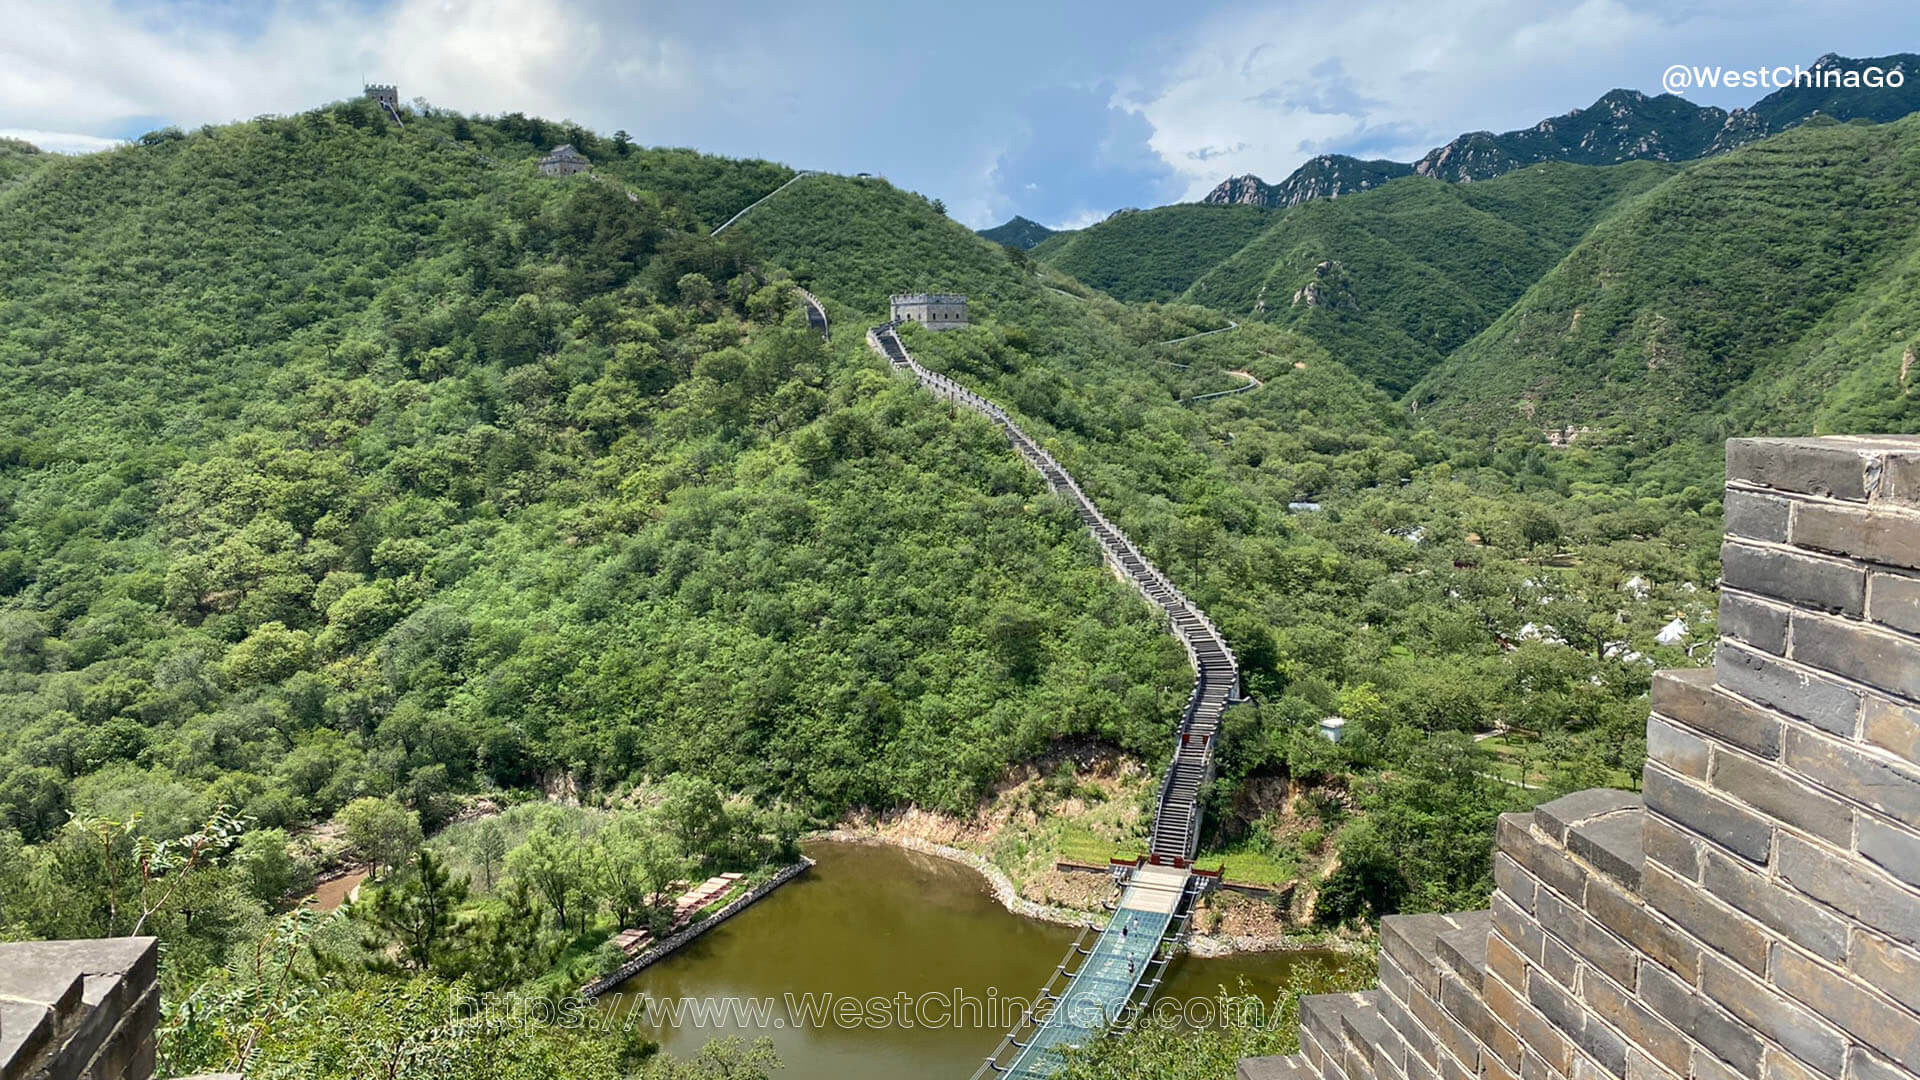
pixel 666 946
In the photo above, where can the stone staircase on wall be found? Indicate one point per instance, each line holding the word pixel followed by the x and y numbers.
pixel 1755 912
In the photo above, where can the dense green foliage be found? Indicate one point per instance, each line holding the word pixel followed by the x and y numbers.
pixel 353 469
pixel 1018 232
pixel 1156 254
pixel 1766 290
pixel 283 1009
pixel 1392 280
pixel 418 474
pixel 1411 605
pixel 18 159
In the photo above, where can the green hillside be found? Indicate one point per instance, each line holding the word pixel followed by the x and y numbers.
pixel 1395 601
pixel 18 159
pixel 355 473
pixel 1018 232
pixel 1392 280
pixel 1792 105
pixel 418 474
pixel 1765 290
pixel 1155 254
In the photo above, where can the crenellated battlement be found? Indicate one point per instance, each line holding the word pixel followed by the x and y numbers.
pixel 1755 911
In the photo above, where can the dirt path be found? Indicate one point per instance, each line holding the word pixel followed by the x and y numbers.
pixel 330 894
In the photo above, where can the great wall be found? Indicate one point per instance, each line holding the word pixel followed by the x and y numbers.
pixel 1753 912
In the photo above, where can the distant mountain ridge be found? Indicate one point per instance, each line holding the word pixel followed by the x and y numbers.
pixel 1018 232
pixel 1328 176
pixel 1623 125
pixel 1762 287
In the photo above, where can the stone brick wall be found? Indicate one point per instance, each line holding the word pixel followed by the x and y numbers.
pixel 78 1009
pixel 1755 912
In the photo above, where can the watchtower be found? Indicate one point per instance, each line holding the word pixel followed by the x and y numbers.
pixel 564 161
pixel 387 96
pixel 935 311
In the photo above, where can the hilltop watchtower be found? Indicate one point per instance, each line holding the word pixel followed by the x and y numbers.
pixel 564 161
pixel 935 311
pixel 387 96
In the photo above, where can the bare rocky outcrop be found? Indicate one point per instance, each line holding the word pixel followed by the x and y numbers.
pixel 1327 287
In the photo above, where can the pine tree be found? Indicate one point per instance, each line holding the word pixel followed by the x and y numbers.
pixel 417 915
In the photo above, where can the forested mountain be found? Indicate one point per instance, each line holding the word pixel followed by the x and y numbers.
pixel 1792 105
pixel 1623 125
pixel 1413 604
pixel 1721 295
pixel 1155 254
pixel 1390 280
pixel 353 461
pixel 350 462
pixel 17 159
pixel 412 472
pixel 1767 290
pixel 1018 232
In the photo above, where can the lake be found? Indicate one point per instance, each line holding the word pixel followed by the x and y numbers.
pixel 900 941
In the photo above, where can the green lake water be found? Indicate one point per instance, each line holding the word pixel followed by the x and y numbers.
pixel 864 927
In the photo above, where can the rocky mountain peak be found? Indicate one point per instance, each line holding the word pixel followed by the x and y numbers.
pixel 1621 125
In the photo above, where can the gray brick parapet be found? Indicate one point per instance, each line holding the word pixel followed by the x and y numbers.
pixel 1755 912
pixel 78 1009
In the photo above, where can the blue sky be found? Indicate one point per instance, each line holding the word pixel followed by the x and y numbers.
pixel 1060 112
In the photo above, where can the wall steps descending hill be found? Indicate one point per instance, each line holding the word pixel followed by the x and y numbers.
pixel 1176 830
pixel 1158 900
pixel 816 313
pixel 1755 912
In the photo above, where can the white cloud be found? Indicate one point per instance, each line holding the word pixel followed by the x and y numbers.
pixel 1263 91
pixel 60 142
pixel 87 65
pixel 1257 87
pixel 1082 220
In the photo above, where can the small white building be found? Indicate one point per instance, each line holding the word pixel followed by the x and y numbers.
pixel 1332 727
pixel 564 161
pixel 935 311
